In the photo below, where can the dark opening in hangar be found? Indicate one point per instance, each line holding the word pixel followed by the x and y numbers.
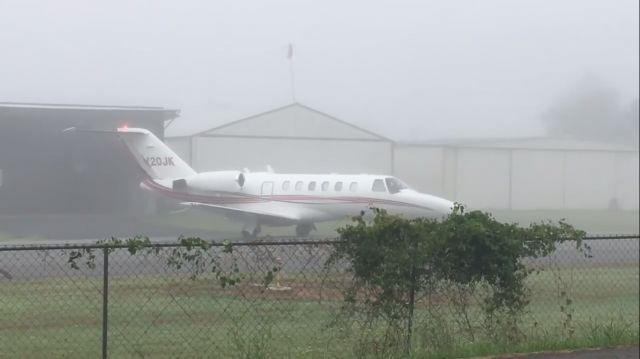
pixel 43 170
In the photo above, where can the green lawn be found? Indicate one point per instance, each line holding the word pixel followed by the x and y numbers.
pixel 169 316
pixel 5 237
pixel 595 222
pixel 591 221
pixel 205 221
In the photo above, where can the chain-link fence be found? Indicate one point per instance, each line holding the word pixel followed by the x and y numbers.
pixel 273 299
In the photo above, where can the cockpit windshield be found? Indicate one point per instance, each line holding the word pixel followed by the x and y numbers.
pixel 395 185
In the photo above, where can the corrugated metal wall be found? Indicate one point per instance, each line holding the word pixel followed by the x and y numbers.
pixel 520 178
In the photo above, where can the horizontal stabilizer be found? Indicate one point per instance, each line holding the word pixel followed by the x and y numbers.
pixel 153 156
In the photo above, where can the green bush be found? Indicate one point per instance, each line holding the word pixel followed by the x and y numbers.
pixel 395 261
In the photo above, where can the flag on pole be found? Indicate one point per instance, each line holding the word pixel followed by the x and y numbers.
pixel 290 52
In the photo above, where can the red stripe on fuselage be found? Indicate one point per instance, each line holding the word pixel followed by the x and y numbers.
pixel 243 198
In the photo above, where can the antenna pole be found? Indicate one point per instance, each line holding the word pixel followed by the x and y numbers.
pixel 292 73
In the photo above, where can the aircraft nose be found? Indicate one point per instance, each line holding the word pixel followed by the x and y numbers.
pixel 444 206
pixel 438 206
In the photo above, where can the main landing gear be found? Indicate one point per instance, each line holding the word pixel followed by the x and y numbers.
pixel 248 233
pixel 303 229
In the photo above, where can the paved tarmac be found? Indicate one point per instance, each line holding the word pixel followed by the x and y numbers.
pixel 33 263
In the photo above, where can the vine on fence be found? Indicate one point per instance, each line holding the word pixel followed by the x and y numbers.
pixel 192 254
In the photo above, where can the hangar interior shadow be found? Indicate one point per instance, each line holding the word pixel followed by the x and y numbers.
pixel 74 185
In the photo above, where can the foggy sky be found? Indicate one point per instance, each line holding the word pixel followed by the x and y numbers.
pixel 410 70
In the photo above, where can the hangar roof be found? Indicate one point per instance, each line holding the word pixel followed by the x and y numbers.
pixel 541 143
pixel 168 114
pixel 293 121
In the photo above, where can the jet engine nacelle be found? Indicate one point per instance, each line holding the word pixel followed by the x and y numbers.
pixel 229 181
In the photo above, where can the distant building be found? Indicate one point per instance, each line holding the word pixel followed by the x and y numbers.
pixel 526 173
pixel 43 170
pixel 294 138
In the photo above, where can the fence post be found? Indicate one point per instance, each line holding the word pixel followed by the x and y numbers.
pixel 105 298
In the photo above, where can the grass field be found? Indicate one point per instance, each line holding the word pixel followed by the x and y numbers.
pixel 591 221
pixel 206 221
pixel 164 316
pixel 4 237
pixel 206 224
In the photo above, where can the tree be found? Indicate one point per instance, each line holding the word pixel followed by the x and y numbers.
pixel 592 110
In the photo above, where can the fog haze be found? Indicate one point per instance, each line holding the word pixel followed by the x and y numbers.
pixel 410 70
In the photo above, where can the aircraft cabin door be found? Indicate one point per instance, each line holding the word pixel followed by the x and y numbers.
pixel 267 188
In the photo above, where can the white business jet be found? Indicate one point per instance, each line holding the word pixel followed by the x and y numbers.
pixel 273 199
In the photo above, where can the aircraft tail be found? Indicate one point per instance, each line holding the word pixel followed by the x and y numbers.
pixel 153 155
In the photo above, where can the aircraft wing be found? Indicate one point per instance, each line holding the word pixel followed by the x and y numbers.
pixel 264 216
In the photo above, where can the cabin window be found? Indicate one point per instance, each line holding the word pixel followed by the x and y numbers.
pixel 338 186
pixel 395 185
pixel 353 186
pixel 299 185
pixel 312 186
pixel 325 186
pixel 378 186
pixel 286 185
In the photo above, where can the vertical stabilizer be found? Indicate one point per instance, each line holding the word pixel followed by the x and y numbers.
pixel 153 155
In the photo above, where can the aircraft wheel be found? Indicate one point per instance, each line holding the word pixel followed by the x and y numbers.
pixel 303 229
pixel 246 234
